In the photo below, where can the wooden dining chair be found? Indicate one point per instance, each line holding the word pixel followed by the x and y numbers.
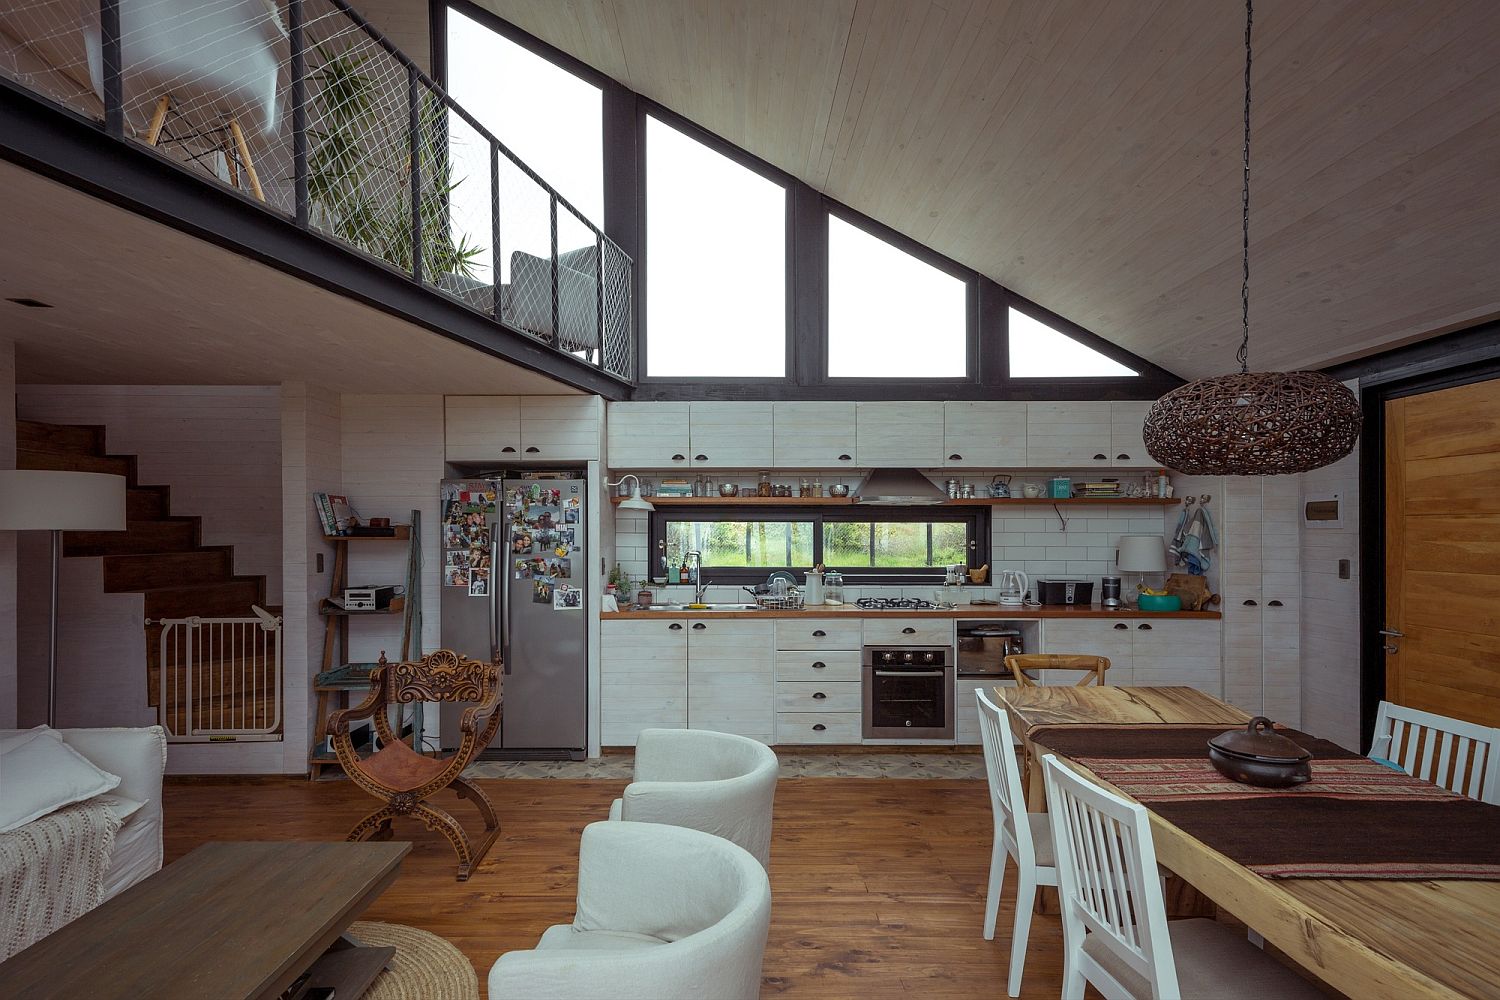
pixel 1023 667
pixel 403 779
pixel 1114 916
pixel 1024 836
pixel 1450 753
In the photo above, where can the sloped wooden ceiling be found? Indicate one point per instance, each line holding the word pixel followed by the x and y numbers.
pixel 1087 152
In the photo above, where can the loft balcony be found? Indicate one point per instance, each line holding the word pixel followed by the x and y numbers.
pixel 304 111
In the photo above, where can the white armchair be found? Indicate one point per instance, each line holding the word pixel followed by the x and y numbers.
pixel 715 782
pixel 663 914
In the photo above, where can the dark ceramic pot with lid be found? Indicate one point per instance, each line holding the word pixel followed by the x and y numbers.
pixel 1258 755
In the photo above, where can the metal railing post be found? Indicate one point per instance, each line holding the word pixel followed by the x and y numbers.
pixel 495 257
pixel 556 329
pixel 109 45
pixel 599 292
pixel 299 110
pixel 413 100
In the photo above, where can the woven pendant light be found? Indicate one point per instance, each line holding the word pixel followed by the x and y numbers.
pixel 1253 423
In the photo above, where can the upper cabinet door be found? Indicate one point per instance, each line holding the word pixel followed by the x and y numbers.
pixel 1127 448
pixel 482 428
pixel 893 435
pixel 560 428
pixel 729 435
pixel 984 435
pixel 1067 435
pixel 812 435
pixel 648 436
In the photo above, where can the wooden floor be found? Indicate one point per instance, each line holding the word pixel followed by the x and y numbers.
pixel 878 885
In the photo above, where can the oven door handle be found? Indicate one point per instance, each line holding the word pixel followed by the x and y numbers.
pixel 909 673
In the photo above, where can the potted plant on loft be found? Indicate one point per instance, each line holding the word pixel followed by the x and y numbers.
pixel 360 166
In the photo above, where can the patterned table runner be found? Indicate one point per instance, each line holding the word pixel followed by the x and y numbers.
pixel 1355 819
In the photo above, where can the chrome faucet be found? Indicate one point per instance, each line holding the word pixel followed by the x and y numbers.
pixel 695 575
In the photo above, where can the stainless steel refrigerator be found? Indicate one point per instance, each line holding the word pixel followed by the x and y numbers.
pixel 515 580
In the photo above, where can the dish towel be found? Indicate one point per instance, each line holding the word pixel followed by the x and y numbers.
pixel 1193 540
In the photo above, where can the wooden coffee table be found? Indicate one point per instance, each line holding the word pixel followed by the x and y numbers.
pixel 229 920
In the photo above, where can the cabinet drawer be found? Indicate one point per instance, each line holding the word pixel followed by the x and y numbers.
pixel 805 727
pixel 819 666
pixel 625 639
pixel 908 632
pixel 842 696
pixel 817 633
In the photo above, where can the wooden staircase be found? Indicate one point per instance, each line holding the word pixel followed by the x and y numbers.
pixel 160 555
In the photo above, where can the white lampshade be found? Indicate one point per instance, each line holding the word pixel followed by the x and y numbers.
pixel 635 501
pixel 1141 554
pixel 46 500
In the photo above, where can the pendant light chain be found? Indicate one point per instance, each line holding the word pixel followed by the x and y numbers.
pixel 1243 354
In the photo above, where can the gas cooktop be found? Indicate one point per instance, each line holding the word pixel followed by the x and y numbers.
pixel 895 604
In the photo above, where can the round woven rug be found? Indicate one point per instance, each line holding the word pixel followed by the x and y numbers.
pixel 425 967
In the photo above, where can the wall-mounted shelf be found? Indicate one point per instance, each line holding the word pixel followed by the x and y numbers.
pixel 402 533
pixel 846 501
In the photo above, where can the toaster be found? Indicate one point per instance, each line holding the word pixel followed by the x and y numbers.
pixel 1065 591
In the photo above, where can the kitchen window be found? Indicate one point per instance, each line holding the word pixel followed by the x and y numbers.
pixel 889 546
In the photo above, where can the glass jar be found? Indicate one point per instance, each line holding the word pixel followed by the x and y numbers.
pixel 833 588
pixel 817 488
pixel 803 488
pixel 763 488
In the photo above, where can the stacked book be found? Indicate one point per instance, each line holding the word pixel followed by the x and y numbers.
pixel 674 488
pixel 1102 490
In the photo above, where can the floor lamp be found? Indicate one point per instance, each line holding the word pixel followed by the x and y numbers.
pixel 45 500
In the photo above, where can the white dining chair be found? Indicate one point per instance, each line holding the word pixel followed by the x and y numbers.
pixel 1024 836
pixel 1115 931
pixel 1456 755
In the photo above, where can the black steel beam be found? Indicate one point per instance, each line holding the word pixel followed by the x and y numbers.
pixel 75 151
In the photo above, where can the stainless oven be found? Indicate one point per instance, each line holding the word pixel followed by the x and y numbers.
pixel 908 692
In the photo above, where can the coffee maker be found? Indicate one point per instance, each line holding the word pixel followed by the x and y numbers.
pixel 1109 593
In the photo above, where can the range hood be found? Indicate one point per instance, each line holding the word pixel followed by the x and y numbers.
pixel 904 487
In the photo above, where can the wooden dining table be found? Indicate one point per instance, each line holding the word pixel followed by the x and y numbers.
pixel 1373 939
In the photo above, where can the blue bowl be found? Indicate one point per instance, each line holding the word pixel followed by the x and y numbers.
pixel 1159 602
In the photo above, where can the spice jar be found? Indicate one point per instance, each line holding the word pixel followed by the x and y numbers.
pixel 763 488
pixel 833 588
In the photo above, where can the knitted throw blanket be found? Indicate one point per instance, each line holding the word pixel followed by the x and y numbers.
pixel 52 872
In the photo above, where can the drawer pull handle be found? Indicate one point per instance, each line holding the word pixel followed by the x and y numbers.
pixel 700 458
pixel 1120 626
pixel 508 450
pixel 675 626
pixel 533 450
pixel 1121 458
pixel 955 458
pixel 819 728
pixel 818 664
pixel 1100 458
pixel 1274 604
pixel 699 626
pixel 819 696
pixel 1249 604
pixel 819 633
pixel 679 458
pixel 1144 628
pixel 908 631
pixel 845 458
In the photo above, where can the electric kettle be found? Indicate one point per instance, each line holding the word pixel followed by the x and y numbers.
pixel 1013 586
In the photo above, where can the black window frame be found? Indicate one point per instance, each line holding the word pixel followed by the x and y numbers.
pixel 977 517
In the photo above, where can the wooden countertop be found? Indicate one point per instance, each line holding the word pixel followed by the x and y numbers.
pixel 981 611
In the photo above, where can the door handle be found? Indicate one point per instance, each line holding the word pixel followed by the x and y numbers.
pixel 699 626
pixel 1143 627
pixel 679 458
pixel 532 450
pixel 1274 604
pixel 675 626
pixel 819 728
pixel 818 633
pixel 1393 633
pixel 955 458
pixel 908 631
pixel 1121 626
pixel 845 458
pixel 507 450
pixel 818 665
pixel 819 696
pixel 700 458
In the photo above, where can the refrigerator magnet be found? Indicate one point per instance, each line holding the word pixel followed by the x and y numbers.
pixel 541 592
pixel 560 568
pixel 479 583
pixel 570 515
pixel 456 576
pixel 565 598
pixel 522 569
pixel 454 537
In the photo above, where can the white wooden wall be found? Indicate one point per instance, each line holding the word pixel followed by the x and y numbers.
pixel 1330 610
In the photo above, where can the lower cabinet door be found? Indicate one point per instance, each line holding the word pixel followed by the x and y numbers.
pixel 731 670
pixel 643 680
pixel 798 696
pixel 817 727
pixel 966 713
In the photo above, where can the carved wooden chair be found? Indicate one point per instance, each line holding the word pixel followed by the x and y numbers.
pixel 1023 667
pixel 404 779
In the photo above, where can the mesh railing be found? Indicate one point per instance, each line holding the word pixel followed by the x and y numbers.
pixel 302 106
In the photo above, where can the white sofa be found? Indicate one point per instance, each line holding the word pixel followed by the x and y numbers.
pixel 715 782
pixel 139 757
pixel 664 913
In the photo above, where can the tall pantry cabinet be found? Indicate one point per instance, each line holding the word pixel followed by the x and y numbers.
pixel 1261 586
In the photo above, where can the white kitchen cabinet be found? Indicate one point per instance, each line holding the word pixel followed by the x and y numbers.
pixel 1178 652
pixel 966 712
pixel 1127 444
pixel 795 728
pixel 799 696
pixel 1068 435
pixel 818 681
pixel 643 679
pixel 729 435
pixel 812 435
pixel 1109 637
pixel 819 666
pixel 908 632
pixel 1262 593
pixel 482 428
pixel 561 428
pixel 818 633
pixel 731 666
pixel 648 436
pixel 984 435
pixel 899 435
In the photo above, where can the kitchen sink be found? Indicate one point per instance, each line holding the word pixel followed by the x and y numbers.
pixel 706 607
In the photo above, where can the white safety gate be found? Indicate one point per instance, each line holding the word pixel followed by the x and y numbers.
pixel 220 678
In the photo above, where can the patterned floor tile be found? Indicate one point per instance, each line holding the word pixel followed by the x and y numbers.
pixel 620 767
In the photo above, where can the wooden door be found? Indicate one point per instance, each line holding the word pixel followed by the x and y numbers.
pixel 1442 527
